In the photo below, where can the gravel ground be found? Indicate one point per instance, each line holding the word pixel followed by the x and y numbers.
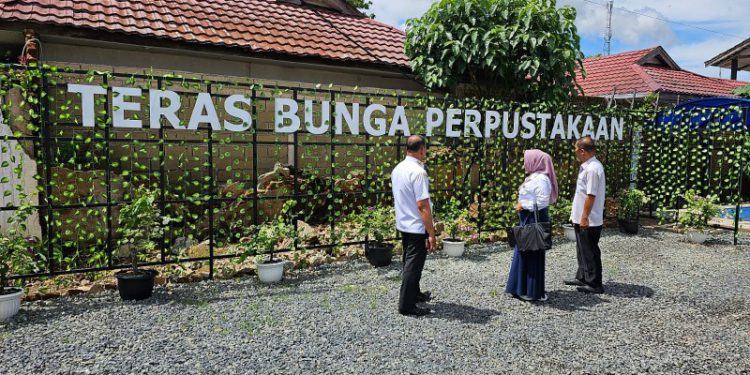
pixel 669 307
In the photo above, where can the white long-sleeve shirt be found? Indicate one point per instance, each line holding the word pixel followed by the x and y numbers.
pixel 538 187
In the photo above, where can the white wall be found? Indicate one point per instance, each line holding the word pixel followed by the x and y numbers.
pixel 13 154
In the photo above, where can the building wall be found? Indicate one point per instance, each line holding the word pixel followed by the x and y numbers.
pixel 128 58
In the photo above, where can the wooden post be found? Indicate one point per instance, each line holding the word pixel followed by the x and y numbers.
pixel 735 67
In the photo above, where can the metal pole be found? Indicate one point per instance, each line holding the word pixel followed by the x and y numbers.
pixel 739 185
pixel 108 177
pixel 294 182
pixel 162 180
pixel 332 183
pixel 210 198
pixel 46 139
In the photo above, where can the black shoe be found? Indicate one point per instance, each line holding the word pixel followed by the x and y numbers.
pixel 574 282
pixel 590 289
pixel 424 297
pixel 417 311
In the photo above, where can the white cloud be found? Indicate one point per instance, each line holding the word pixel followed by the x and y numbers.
pixel 692 57
pixel 396 12
pixel 629 28
pixel 688 45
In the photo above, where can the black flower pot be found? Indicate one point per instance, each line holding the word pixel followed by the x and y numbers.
pixel 629 226
pixel 379 254
pixel 135 286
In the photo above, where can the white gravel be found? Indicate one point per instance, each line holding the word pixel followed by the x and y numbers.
pixel 670 307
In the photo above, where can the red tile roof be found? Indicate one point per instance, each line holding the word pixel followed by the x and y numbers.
pixel 628 72
pixel 265 26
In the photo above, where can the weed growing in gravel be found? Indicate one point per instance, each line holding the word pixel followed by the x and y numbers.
pixel 254 327
pixel 350 288
pixel 493 293
pixel 221 330
pixel 326 303
pixel 191 302
pixel 253 307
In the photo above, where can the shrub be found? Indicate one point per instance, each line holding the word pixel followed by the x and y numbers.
pixel 452 216
pixel 630 202
pixel 560 212
pixel 141 223
pixel 267 236
pixel 698 211
pixel 15 252
pixel 376 223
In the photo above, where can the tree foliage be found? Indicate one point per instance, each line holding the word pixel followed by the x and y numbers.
pixel 743 91
pixel 526 50
pixel 363 6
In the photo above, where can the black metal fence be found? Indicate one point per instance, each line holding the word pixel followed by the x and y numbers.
pixel 701 149
pixel 218 184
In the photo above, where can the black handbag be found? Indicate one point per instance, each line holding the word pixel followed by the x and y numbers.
pixel 533 237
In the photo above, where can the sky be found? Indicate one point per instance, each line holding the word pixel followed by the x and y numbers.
pixel 697 30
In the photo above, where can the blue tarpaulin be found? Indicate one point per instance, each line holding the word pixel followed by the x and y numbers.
pixel 700 113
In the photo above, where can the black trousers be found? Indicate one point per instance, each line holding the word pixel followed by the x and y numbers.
pixel 415 254
pixel 589 256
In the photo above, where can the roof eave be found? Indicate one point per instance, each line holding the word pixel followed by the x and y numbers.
pixel 238 51
pixel 721 59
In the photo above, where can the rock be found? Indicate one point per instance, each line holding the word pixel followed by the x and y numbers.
pixel 351 186
pixel 77 291
pixel 97 288
pixel 123 251
pixel 317 260
pixel 50 294
pixel 200 250
pixel 439 228
pixel 308 234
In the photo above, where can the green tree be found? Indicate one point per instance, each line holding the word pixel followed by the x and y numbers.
pixel 509 49
pixel 363 6
pixel 743 91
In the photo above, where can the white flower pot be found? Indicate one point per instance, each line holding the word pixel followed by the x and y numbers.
pixel 570 232
pixel 454 248
pixel 271 272
pixel 696 236
pixel 10 304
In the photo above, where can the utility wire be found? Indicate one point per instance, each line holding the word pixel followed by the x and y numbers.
pixel 667 21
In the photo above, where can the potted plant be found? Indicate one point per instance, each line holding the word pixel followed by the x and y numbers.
pixel 698 211
pixel 14 253
pixel 560 213
pixel 452 216
pixel 630 202
pixel 376 224
pixel 266 237
pixel 140 224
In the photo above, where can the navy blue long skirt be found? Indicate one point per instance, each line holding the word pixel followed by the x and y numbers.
pixel 526 276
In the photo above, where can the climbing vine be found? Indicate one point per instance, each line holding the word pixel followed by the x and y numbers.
pixel 217 186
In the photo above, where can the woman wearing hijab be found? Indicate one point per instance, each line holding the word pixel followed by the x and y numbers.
pixel 526 278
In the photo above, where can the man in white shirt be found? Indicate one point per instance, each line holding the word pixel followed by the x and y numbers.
pixel 411 196
pixel 588 218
